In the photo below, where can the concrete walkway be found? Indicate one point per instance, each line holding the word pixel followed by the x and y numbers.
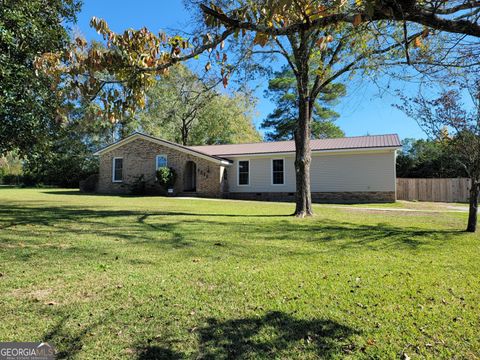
pixel 452 210
pixel 442 207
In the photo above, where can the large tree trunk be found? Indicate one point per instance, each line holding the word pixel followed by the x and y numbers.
pixel 303 158
pixel 473 210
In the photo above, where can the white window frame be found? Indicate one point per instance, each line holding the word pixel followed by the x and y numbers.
pixel 238 173
pixel 113 169
pixel 271 172
pixel 156 160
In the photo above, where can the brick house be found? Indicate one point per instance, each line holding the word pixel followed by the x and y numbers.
pixel 354 169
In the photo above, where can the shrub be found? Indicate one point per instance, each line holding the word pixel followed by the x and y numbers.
pixel 29 180
pixel 11 179
pixel 166 177
pixel 89 185
pixel 59 169
pixel 11 168
pixel 138 187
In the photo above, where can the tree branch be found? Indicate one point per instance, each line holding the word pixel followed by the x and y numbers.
pixel 418 16
pixel 287 57
pixel 318 86
pixel 448 11
pixel 198 51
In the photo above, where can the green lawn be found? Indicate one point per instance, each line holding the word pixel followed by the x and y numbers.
pixel 130 277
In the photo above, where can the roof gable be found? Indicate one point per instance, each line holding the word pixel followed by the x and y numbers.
pixel 166 143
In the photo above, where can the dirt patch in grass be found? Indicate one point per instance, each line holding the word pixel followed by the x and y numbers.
pixel 421 205
pixel 39 295
pixel 391 212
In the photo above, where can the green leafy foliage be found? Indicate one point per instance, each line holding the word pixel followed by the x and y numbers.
pixel 28 101
pixel 227 120
pixel 67 157
pixel 166 177
pixel 282 122
pixel 61 163
pixel 64 160
pixel 10 167
pixel 428 159
pixel 117 72
pixel 187 109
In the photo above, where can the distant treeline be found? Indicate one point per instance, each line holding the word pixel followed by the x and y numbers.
pixel 428 159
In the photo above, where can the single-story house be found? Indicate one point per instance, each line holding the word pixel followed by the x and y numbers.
pixel 350 169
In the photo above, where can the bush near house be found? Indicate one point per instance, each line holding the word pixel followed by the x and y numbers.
pixel 166 177
pixel 139 186
pixel 89 185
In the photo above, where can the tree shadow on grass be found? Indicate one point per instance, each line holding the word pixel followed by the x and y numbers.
pixel 152 352
pixel 382 235
pixel 276 334
pixel 77 192
pixel 177 230
pixel 67 339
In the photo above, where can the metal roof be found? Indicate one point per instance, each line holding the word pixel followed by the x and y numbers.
pixel 355 142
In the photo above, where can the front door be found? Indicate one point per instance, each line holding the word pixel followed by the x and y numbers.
pixel 190 177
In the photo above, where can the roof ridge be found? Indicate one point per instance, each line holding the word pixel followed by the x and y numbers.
pixel 285 141
pixel 252 143
pixel 358 136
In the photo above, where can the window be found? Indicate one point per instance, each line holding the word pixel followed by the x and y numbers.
pixel 161 161
pixel 243 172
pixel 117 171
pixel 278 177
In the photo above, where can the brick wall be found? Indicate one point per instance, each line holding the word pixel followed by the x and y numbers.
pixel 139 157
pixel 327 197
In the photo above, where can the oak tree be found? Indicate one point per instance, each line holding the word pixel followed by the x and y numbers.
pixel 128 65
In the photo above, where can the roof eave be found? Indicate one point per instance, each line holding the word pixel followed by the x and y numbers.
pixel 372 148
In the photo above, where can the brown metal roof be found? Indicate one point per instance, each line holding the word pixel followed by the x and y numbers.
pixel 356 142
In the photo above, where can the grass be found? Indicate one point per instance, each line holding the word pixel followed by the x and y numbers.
pixel 131 277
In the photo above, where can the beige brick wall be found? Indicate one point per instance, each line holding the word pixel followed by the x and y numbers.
pixel 318 197
pixel 139 158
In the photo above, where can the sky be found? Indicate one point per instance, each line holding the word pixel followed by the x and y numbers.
pixel 365 110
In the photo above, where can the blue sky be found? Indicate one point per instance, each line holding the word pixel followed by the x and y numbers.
pixel 365 110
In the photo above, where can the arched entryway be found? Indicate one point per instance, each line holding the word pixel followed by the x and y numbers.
pixel 190 177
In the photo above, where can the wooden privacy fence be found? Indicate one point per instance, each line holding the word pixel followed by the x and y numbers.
pixel 443 190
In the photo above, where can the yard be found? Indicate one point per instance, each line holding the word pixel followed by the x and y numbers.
pixel 131 277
